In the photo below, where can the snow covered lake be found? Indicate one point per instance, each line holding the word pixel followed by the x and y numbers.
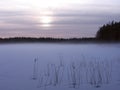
pixel 41 66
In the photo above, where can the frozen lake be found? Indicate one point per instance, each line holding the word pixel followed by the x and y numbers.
pixel 25 66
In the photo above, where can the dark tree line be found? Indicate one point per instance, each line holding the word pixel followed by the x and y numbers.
pixel 109 32
pixel 32 39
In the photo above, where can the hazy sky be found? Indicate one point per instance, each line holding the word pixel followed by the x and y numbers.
pixel 56 18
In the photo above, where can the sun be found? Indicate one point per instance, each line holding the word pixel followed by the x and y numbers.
pixel 46 21
pixel 44 18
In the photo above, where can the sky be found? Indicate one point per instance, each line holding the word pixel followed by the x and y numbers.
pixel 56 18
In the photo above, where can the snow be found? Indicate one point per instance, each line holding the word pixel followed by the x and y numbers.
pixel 20 71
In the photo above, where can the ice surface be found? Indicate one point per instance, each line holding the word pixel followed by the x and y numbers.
pixel 17 65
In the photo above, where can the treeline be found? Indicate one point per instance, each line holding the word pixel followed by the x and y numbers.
pixel 109 32
pixel 30 39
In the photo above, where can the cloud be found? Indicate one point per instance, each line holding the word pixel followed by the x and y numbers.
pixel 74 20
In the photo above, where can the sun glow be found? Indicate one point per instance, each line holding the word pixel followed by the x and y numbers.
pixel 46 19
pixel 45 9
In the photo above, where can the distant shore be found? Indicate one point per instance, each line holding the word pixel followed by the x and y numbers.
pixel 53 40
